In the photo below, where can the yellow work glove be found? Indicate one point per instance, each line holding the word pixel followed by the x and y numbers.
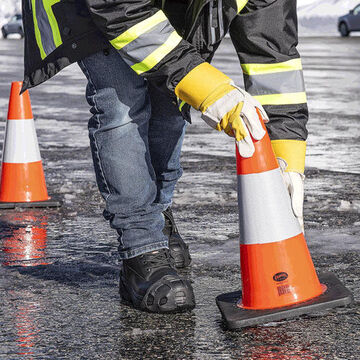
pixel 291 157
pixel 224 106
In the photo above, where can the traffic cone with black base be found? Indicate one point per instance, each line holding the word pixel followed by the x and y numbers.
pixel 22 175
pixel 279 280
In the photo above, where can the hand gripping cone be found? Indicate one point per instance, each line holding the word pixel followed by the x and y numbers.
pixel 279 280
pixel 22 176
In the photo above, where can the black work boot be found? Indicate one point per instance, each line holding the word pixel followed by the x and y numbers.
pixel 179 250
pixel 150 282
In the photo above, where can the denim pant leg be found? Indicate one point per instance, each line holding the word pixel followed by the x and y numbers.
pixel 166 134
pixel 118 132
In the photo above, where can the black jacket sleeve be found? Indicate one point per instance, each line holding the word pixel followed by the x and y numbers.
pixel 265 37
pixel 145 39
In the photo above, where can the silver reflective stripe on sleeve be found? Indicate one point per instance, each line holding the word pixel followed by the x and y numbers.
pixel 43 23
pixel 145 44
pixel 141 47
pixel 275 83
pixel 46 27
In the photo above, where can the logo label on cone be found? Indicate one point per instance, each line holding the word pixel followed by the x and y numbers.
pixel 280 276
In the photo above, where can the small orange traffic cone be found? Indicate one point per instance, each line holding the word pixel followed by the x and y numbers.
pixel 22 176
pixel 278 276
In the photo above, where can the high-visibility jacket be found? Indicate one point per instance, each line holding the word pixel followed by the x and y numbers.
pixel 163 40
pixel 59 32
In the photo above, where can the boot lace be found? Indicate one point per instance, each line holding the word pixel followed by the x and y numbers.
pixel 157 259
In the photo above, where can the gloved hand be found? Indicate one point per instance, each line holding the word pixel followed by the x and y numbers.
pixel 224 106
pixel 294 183
pixel 291 158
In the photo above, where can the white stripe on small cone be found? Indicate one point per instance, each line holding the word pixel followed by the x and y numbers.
pixel 264 209
pixel 21 145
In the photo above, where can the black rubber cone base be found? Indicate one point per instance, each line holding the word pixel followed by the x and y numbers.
pixel 5 205
pixel 53 202
pixel 335 295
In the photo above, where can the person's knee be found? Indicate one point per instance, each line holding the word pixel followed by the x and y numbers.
pixel 110 111
pixel 116 94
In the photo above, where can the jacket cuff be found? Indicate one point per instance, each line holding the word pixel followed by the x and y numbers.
pixel 199 83
pixel 293 152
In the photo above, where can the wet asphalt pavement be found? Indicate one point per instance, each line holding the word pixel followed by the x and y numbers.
pixel 59 272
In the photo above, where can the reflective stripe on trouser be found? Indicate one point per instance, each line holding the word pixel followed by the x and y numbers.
pixel 276 84
pixel 46 28
pixel 145 44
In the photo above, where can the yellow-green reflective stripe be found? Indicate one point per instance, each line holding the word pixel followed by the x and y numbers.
pixel 137 30
pixel 48 37
pixel 147 43
pixel 240 4
pixel 282 99
pixel 255 69
pixel 182 105
pixel 52 20
pixel 37 31
pixel 155 57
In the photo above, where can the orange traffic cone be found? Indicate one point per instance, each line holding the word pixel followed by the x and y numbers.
pixel 22 175
pixel 278 276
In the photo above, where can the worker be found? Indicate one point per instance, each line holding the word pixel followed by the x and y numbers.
pixel 146 63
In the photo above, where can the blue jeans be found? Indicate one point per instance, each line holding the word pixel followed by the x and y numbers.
pixel 136 134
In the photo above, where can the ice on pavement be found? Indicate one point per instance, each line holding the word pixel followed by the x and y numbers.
pixel 70 309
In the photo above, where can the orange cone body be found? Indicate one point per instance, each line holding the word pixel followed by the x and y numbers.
pixel 22 175
pixel 276 266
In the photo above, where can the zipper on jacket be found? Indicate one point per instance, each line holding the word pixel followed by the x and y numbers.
pixel 216 26
pixel 214 14
pixel 192 18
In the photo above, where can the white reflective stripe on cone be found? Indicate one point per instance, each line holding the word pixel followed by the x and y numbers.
pixel 21 145
pixel 265 209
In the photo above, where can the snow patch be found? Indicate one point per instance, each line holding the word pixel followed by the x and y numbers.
pixel 336 240
pixel 320 16
pixel 353 205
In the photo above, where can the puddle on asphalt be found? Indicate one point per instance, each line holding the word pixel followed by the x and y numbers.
pixel 59 270
pixel 24 238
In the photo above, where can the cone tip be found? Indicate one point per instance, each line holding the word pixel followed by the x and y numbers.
pixel 19 105
pixel 16 83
